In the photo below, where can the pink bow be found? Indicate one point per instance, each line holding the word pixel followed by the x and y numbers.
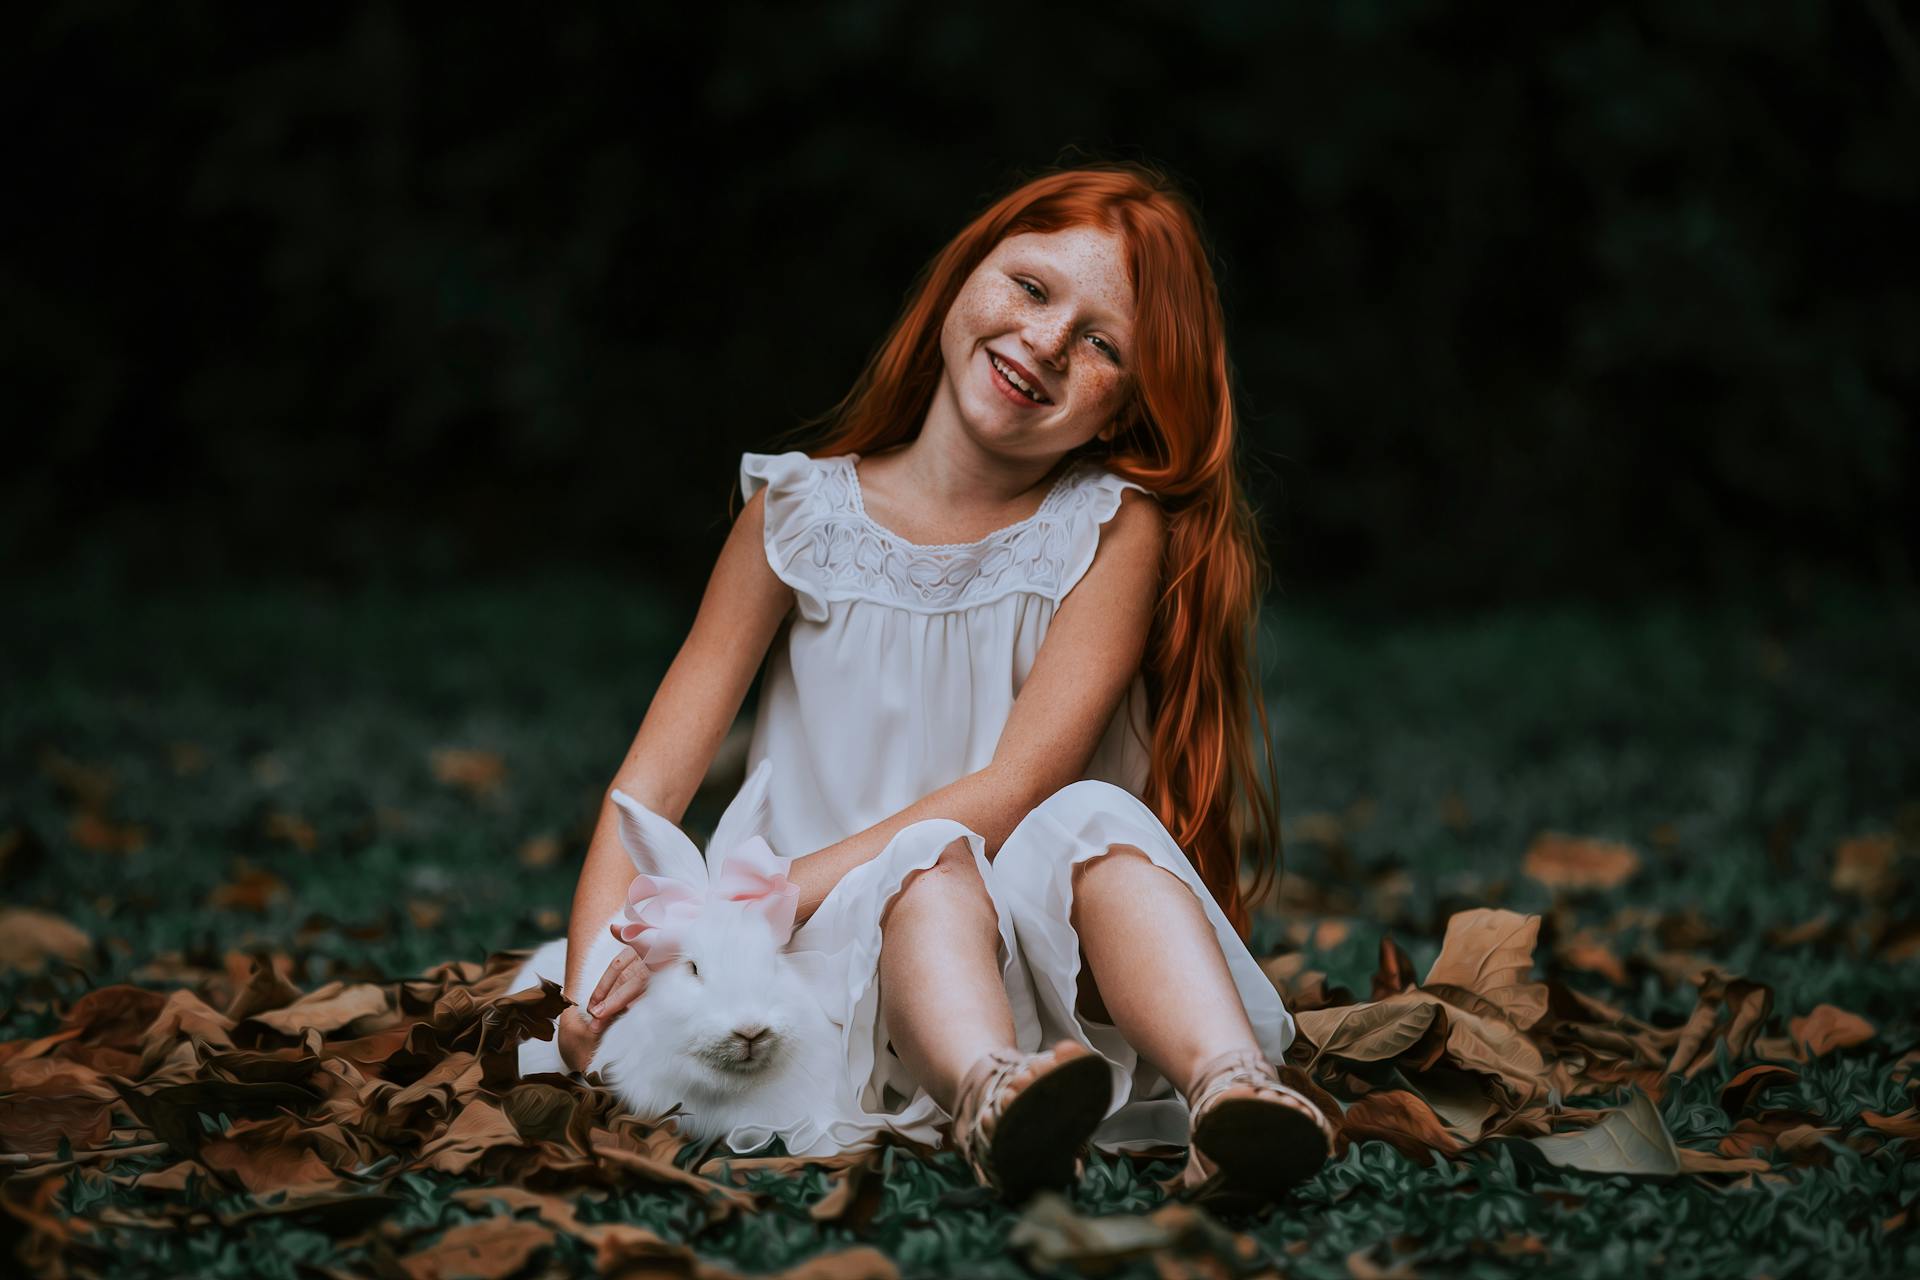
pixel 659 913
pixel 661 910
pixel 751 874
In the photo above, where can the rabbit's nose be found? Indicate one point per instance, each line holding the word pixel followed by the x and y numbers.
pixel 750 1035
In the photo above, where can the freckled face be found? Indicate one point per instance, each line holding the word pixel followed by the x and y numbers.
pixel 1057 308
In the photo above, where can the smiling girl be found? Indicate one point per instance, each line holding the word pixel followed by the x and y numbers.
pixel 1005 609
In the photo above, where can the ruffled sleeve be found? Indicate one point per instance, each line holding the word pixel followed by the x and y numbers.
pixel 793 534
pixel 1094 503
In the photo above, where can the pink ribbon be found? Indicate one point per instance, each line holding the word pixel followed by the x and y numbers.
pixel 661 910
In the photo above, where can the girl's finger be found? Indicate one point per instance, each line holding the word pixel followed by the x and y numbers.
pixel 626 990
pixel 614 970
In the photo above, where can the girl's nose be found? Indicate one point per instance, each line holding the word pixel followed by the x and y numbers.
pixel 1049 341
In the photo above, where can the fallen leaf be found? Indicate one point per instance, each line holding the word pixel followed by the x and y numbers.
pixel 540 851
pixel 1490 953
pixel 251 890
pixel 1631 1139
pixel 327 1008
pixel 1827 1028
pixel 1710 1162
pixel 1394 973
pixel 1737 1094
pixel 1372 1032
pixel 1576 864
pixel 1864 865
pixel 1905 1124
pixel 1402 1120
pixel 97 833
pixel 478 773
pixel 30 939
pixel 1051 1234
pixel 292 829
pixel 488 1250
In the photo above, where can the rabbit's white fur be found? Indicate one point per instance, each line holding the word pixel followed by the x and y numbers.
pixel 675 1046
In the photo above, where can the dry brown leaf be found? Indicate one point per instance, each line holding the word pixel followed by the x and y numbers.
pixel 327 1008
pixel 97 833
pixel 185 1015
pixel 1589 953
pixel 1394 973
pixel 292 829
pixel 1329 934
pixel 1711 1162
pixel 478 773
pixel 1827 1028
pixel 1739 1093
pixel 1490 953
pixel 1865 865
pixel 1575 863
pixel 619 1149
pixel 30 939
pixel 1747 1005
pixel 266 1156
pixel 1372 1032
pixel 1630 1139
pixel 486 1250
pixel 261 982
pixel 540 851
pixel 252 889
pixel 1904 1124
pixel 1401 1119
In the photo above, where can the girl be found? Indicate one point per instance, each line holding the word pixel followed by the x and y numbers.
pixel 1007 602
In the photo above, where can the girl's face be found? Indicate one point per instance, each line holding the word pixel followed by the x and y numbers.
pixel 1054 310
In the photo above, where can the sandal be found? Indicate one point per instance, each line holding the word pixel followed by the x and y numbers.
pixel 1017 1145
pixel 1252 1138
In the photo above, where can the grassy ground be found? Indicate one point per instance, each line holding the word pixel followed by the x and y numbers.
pixel 187 776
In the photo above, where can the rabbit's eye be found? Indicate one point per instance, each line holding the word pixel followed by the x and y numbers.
pixel 696 968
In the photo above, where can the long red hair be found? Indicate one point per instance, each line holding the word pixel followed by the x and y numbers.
pixel 1177 439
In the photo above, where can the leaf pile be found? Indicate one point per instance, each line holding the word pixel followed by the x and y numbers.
pixel 1479 1051
pixel 310 1106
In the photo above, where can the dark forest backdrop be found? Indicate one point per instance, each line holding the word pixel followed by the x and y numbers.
pixel 1524 300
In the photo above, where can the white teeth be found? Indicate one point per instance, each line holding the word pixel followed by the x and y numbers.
pixel 1015 378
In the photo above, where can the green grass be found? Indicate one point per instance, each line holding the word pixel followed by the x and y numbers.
pixel 1735 747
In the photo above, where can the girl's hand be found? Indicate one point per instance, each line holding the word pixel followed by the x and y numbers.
pixel 578 1039
pixel 624 982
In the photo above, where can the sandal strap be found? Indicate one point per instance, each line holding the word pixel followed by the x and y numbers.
pixel 1235 1068
pixel 978 1100
pixel 1248 1068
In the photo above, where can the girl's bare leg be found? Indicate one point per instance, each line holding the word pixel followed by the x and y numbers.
pixel 1157 964
pixel 940 988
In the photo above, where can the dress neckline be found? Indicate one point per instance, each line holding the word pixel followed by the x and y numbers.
pixel 851 461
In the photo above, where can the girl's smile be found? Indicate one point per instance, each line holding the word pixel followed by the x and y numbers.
pixel 1030 393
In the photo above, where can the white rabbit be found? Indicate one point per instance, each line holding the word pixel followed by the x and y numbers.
pixel 727 1031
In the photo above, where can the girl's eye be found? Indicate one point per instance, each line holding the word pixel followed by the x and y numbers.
pixel 1033 291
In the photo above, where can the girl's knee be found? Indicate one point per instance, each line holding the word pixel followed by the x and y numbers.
pixel 953 874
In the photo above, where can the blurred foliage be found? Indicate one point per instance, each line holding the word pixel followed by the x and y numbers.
pixel 1542 300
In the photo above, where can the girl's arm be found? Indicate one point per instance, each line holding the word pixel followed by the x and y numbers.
pixel 696 703
pixel 1091 654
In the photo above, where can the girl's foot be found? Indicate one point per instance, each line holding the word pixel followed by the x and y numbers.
pixel 1252 1137
pixel 1022 1118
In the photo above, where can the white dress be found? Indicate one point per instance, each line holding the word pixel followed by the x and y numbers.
pixel 893 677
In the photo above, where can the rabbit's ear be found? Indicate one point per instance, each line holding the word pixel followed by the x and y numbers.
pixel 746 815
pixel 657 847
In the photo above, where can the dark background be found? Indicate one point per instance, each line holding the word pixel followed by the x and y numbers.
pixel 1525 301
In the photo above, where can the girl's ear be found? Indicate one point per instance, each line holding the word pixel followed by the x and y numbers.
pixel 657 847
